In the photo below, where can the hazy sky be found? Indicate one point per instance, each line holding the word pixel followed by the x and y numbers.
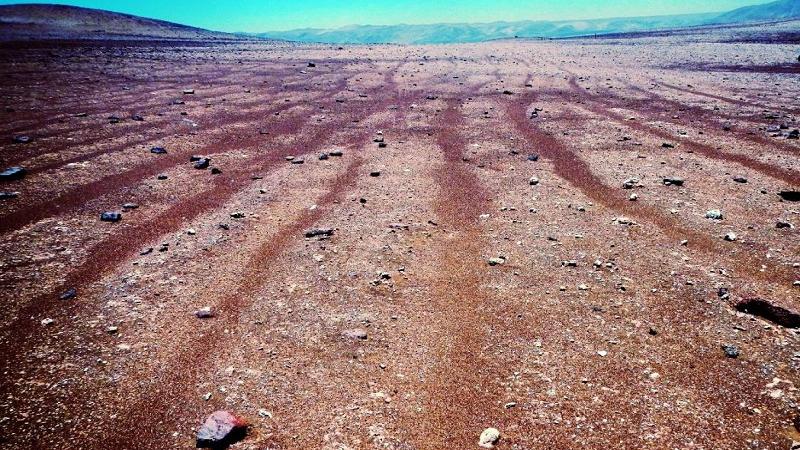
pixel 279 15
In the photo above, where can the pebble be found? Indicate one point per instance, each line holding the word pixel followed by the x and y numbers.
pixel 13 173
pixel 731 351
pixel 489 437
pixel 204 313
pixel 497 261
pixel 633 197
pixel 111 216
pixel 355 333
pixel 533 181
pixel 730 236
pixel 69 294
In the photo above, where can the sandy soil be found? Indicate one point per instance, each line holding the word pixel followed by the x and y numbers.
pixel 603 327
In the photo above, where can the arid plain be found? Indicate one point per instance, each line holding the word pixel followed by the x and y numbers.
pixel 582 243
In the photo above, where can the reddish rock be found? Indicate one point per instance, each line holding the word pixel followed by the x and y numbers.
pixel 220 430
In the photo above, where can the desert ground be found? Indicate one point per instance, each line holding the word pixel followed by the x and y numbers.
pixel 583 244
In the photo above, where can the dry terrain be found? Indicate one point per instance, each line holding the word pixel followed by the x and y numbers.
pixel 584 244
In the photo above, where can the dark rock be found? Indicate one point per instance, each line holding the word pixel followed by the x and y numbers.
pixel 130 206
pixel 382 144
pixel 137 118
pixel 323 156
pixel 740 179
pixel 204 313
pixel 8 195
pixel 114 119
pixel 507 92
pixel 781 224
pixel 13 173
pixel 533 157
pixel 220 430
pixel 158 150
pixel 202 163
pixel 111 216
pixel 298 161
pixel 314 232
pixel 667 145
pixel 237 215
pixel 790 196
pixel 162 177
pixel 216 171
pixel 731 351
pixel 312 64
pixel 794 134
pixel 69 294
pixel 194 158
pixel 335 153
pixel 188 91
pixel 766 310
pixel 375 173
pixel 673 181
pixel 723 293
pixel 21 139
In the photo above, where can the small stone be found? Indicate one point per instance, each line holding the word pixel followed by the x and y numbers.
pixel 69 294
pixel 7 195
pixel 216 171
pixel 602 352
pixel 790 196
pixel 323 156
pixel 355 333
pixel 191 231
pixel 158 150
pixel 130 206
pixel 202 163
pixel 298 161
pixel 730 236
pixel 188 91
pixel 731 351
pixel 13 173
pixel 111 216
pixel 533 157
pixel 112 330
pixel 630 183
pixel 782 224
pixel 489 437
pixel 161 177
pixel 48 321
pixel 220 430
pixel 237 215
pixel 335 153
pixel 497 261
pixel 375 173
pixel 740 179
pixel 673 181
pixel 21 139
pixel 204 313
pixel 315 232
pixel 533 181
pixel 633 197
pixel 714 214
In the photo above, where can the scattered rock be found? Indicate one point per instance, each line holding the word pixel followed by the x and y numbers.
pixel 769 311
pixel 489 437
pixel 7 195
pixel 790 196
pixel 48 321
pixel 740 179
pixel 633 197
pixel 111 216
pixel 730 236
pixel 731 351
pixel 188 91
pixel 356 334
pixel 714 214
pixel 673 181
pixel 130 206
pixel 298 161
pixel 158 150
pixel 204 313
pixel 335 153
pixel 630 183
pixel 323 156
pixel 13 173
pixel 375 173
pixel 202 163
pixel 497 261
pixel 315 232
pixel 781 224
pixel 237 215
pixel 667 145
pixel 216 171
pixel 21 139
pixel 533 157
pixel 533 181
pixel 69 294
pixel 161 177
pixel 220 430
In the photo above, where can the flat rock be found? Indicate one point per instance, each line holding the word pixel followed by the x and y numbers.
pixel 13 173
pixel 111 216
pixel 220 430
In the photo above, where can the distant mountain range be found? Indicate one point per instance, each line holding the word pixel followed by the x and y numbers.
pixel 477 32
pixel 44 21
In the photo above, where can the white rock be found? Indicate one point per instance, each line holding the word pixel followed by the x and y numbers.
pixel 489 437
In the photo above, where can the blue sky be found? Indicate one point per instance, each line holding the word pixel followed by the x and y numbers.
pixel 279 15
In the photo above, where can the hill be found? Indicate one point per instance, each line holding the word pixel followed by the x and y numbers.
pixel 41 21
